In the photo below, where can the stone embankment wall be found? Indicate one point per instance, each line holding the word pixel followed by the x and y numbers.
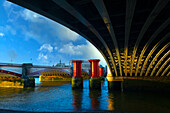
pixel 59 78
pixel 17 82
pixel 146 85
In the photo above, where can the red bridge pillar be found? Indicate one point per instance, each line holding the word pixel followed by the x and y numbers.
pixel 95 80
pixel 101 69
pixel 77 80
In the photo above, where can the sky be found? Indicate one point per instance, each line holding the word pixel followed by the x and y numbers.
pixel 27 37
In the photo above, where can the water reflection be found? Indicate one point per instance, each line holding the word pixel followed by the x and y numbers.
pixel 111 102
pixel 59 97
pixel 139 102
pixel 53 83
pixel 8 92
pixel 94 96
pixel 77 99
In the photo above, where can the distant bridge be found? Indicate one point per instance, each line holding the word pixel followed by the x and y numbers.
pixel 10 73
pixel 17 69
pixel 11 65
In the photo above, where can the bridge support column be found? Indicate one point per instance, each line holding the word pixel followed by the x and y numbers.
pixel 95 80
pixel 26 70
pixel 101 69
pixel 114 84
pixel 77 80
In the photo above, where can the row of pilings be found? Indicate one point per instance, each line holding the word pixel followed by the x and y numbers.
pixel 96 76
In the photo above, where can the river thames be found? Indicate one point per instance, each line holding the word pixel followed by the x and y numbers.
pixel 59 97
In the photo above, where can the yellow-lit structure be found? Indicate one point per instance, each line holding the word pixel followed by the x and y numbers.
pixel 56 75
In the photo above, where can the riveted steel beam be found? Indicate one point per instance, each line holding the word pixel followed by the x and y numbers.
pixel 161 68
pixel 99 4
pixel 130 8
pixel 67 7
pixel 155 58
pixel 157 9
pixel 150 53
pixel 158 63
pixel 162 27
pixel 168 74
pixel 165 71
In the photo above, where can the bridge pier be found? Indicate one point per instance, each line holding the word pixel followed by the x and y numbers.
pixel 95 80
pixel 101 69
pixel 77 80
pixel 114 84
pixel 26 70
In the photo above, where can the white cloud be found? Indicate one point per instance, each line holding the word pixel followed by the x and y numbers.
pixel 42 57
pixel 67 34
pixel 56 48
pixel 71 49
pixel 47 47
pixel 11 10
pixel 7 4
pixel 85 51
pixel 31 16
pixel 92 52
pixel 39 26
pixel 10 29
pixel 7 29
pixel 1 34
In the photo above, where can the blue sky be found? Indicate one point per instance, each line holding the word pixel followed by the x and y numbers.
pixel 26 36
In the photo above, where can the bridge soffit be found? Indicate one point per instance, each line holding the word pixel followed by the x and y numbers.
pixel 162 67
pixel 130 9
pixel 157 9
pixel 66 6
pixel 166 70
pixel 99 4
pixel 10 73
pixel 155 58
pixel 151 52
pixel 158 63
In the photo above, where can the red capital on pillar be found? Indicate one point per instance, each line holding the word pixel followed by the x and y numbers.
pixel 101 69
pixel 94 64
pixel 77 68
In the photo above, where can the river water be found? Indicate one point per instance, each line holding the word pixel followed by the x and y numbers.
pixel 59 97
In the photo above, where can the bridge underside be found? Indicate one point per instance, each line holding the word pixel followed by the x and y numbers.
pixel 132 35
pixel 4 75
pixel 9 74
